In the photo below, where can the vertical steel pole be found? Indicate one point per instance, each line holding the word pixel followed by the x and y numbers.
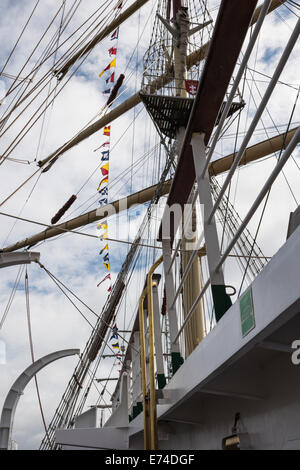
pixel 153 415
pixel 161 379
pixel 143 371
pixel 176 358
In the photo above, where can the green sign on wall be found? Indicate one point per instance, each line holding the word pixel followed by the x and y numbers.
pixel 247 312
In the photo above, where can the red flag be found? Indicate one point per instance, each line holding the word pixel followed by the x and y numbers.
pixel 103 145
pixel 106 277
pixel 112 51
pixel 112 77
pixel 191 86
pixel 109 289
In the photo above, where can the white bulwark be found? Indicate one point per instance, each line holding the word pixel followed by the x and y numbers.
pixel 233 370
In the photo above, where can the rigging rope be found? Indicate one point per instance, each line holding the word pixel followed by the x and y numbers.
pixel 11 147
pixel 21 34
pixel 12 295
pixel 59 282
pixel 267 198
pixel 32 351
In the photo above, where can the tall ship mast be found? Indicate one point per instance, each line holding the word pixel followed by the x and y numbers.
pixel 166 266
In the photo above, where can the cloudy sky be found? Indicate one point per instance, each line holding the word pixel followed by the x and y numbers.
pixel 74 259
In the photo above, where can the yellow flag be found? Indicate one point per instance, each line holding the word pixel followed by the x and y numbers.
pixel 102 225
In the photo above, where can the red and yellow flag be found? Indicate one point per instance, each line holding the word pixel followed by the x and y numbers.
pixel 104 169
pixel 106 130
pixel 105 180
pixel 111 64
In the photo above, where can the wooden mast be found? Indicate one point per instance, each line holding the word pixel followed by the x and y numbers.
pixel 195 330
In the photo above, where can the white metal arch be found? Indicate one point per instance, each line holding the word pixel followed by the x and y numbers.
pixel 12 259
pixel 13 396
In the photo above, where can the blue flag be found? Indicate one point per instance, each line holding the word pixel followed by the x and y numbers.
pixel 102 201
pixel 105 155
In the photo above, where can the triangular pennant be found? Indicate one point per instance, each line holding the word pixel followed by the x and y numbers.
pixel 103 145
pixel 103 201
pixel 103 249
pixel 115 34
pixel 111 64
pixel 104 236
pixel 104 180
pixel 106 277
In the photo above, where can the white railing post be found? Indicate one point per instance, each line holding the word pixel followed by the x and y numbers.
pixel 221 300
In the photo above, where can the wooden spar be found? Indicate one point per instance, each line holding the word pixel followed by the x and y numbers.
pixel 253 153
pixel 108 118
pixel 135 99
pixel 115 90
pixel 275 4
pixel 63 209
pixel 97 214
pixel 103 34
